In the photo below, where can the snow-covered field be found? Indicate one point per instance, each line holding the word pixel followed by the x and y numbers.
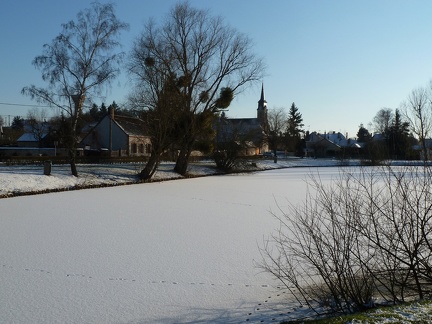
pixel 17 180
pixel 165 252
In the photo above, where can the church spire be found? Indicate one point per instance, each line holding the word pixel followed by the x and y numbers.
pixel 262 102
pixel 262 109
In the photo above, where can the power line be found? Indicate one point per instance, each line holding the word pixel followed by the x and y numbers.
pixel 23 105
pixel 42 106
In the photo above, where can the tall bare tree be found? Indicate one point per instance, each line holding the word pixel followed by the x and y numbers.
pixel 277 123
pixel 211 61
pixel 77 64
pixel 382 120
pixel 418 112
pixel 37 121
pixel 158 108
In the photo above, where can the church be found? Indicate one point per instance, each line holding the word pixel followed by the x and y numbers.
pixel 250 133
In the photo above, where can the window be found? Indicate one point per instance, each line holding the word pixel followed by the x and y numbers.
pixel 134 148
pixel 148 148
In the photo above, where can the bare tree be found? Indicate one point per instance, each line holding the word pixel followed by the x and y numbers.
pixel 365 235
pixel 418 112
pixel 212 62
pixel 158 108
pixel 382 120
pixel 277 123
pixel 77 64
pixel 37 121
pixel 232 142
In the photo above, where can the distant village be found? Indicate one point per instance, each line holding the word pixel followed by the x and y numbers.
pixel 111 132
pixel 177 107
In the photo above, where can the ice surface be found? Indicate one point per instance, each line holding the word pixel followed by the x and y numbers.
pixel 168 252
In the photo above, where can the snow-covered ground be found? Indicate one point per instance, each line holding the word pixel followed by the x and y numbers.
pixel 164 252
pixel 16 180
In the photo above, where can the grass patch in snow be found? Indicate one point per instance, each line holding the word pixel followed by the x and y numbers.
pixel 414 312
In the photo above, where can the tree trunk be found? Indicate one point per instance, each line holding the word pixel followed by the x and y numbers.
pixel 424 149
pixel 183 160
pixel 151 167
pixel 78 101
pixel 275 156
pixel 72 163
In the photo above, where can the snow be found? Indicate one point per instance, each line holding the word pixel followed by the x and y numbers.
pixel 16 180
pixel 164 252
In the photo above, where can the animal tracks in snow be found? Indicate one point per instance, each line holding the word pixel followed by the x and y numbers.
pixel 271 312
pixel 225 202
pixel 263 312
pixel 6 266
pixel 122 279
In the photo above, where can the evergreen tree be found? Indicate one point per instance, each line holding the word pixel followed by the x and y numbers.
pixel 17 123
pixel 94 112
pixel 294 130
pixel 103 109
pixel 363 135
pixel 398 137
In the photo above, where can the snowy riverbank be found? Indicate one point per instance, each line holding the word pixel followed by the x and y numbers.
pixel 17 180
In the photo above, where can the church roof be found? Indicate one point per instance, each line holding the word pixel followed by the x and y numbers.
pixel 249 127
pixel 243 121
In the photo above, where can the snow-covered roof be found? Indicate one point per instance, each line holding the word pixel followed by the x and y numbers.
pixel 29 137
pixel 335 138
pixel 130 125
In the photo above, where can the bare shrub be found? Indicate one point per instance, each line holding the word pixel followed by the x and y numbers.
pixel 364 236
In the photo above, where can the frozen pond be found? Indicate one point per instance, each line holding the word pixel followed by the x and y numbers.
pixel 182 251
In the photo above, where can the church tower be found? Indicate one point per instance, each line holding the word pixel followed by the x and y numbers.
pixel 262 110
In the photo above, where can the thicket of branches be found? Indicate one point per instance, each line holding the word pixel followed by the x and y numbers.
pixel 211 63
pixel 231 143
pixel 364 238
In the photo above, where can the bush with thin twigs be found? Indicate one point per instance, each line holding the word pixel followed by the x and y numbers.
pixel 364 237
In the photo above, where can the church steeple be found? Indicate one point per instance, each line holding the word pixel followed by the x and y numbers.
pixel 262 108
pixel 262 103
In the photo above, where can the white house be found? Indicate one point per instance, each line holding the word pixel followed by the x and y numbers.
pixel 119 135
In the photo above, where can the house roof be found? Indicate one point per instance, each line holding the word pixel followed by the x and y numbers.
pixel 334 138
pixel 130 125
pixel 29 137
pixel 378 137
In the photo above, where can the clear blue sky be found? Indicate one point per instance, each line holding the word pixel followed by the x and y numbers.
pixel 340 61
